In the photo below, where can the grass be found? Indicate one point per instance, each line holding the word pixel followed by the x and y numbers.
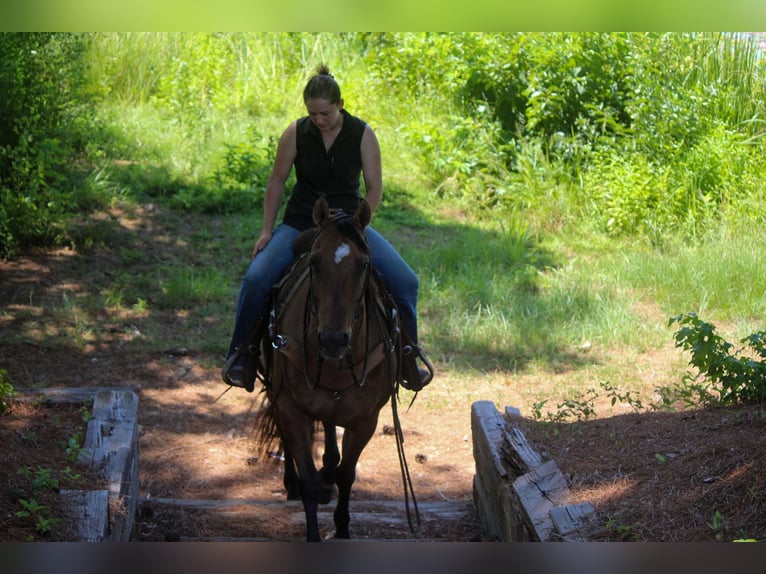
pixel 495 300
pixel 523 287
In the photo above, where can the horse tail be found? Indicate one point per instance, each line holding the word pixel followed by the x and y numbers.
pixel 267 440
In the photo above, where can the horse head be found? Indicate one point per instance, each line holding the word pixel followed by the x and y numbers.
pixel 339 263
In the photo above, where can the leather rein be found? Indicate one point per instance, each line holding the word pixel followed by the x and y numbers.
pixel 361 309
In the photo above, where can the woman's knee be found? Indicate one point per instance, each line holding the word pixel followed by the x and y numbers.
pixel 409 282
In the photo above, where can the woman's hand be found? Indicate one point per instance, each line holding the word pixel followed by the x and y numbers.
pixel 260 244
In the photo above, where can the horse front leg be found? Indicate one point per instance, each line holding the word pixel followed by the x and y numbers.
pixel 295 431
pixel 354 442
pixel 308 484
pixel 330 460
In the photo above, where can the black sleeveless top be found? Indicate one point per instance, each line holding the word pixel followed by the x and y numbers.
pixel 334 172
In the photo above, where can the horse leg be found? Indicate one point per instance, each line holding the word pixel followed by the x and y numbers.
pixel 354 442
pixel 330 459
pixel 290 480
pixel 295 430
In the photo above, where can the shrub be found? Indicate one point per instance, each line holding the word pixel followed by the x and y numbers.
pixel 738 376
pixel 40 79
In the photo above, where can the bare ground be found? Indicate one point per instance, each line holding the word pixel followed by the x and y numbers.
pixel 681 476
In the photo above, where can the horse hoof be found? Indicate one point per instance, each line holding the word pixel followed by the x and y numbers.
pixel 342 535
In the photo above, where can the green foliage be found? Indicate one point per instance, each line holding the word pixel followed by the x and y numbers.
pixel 240 179
pixel 40 130
pixel 618 395
pixel 616 133
pixel 41 479
pixel 718 525
pixel 38 513
pixel 651 131
pixel 582 406
pixel 737 376
pixel 187 287
pixel 7 392
pixel 74 448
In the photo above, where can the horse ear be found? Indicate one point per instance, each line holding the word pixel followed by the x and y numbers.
pixel 321 211
pixel 363 213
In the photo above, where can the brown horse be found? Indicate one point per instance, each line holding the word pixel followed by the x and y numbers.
pixel 332 357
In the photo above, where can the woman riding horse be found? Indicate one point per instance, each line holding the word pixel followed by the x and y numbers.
pixel 329 149
pixel 332 359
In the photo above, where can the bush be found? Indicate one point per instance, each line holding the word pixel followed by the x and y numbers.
pixel 738 376
pixel 40 78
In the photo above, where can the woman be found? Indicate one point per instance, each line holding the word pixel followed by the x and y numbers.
pixel 329 149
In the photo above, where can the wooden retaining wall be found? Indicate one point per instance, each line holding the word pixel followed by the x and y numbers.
pixel 519 497
pixel 110 447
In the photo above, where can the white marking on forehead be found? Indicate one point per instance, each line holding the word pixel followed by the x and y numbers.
pixel 341 252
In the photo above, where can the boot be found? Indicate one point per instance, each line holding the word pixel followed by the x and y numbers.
pixel 235 373
pixel 415 377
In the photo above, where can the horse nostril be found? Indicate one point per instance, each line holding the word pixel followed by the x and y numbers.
pixel 334 344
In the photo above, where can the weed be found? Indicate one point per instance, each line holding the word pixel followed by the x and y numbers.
pixel 70 476
pixel 86 414
pixel 537 409
pixel 38 513
pixel 73 448
pixel 717 525
pixel 625 532
pixel 31 507
pixel 689 392
pixel 28 437
pixel 579 408
pixel 624 397
pixel 40 479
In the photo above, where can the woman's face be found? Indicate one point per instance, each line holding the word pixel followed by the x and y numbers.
pixel 323 114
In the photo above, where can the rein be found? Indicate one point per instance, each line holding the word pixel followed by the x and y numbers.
pixel 361 309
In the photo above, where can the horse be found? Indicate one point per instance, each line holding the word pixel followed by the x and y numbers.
pixel 331 358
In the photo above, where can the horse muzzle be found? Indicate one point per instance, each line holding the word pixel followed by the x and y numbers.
pixel 334 344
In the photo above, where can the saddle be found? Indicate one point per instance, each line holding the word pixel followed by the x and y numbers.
pixel 273 335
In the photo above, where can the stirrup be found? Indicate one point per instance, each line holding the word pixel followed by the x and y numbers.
pixel 415 378
pixel 247 383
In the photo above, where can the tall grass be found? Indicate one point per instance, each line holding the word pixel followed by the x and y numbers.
pixel 720 276
pixel 193 107
pixel 734 69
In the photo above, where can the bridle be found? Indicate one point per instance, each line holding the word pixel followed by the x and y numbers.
pixel 361 304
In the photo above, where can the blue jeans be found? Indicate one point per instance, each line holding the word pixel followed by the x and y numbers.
pixel 271 264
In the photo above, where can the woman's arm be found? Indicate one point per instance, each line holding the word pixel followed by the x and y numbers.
pixel 371 168
pixel 283 163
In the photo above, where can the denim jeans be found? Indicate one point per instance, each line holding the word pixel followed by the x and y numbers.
pixel 271 264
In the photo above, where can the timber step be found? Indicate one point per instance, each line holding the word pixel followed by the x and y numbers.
pixel 227 520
